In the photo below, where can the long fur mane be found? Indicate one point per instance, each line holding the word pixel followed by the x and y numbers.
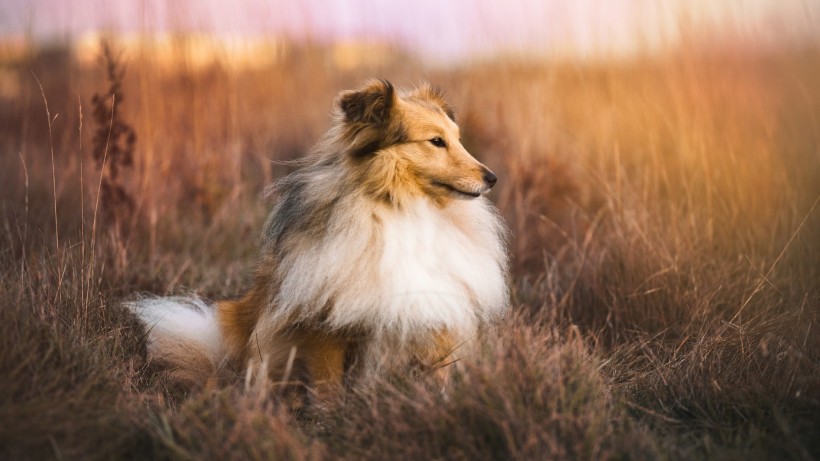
pixel 380 250
pixel 344 255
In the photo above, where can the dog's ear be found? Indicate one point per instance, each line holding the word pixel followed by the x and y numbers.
pixel 436 95
pixel 371 104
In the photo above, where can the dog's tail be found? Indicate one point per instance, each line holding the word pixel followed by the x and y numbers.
pixel 183 337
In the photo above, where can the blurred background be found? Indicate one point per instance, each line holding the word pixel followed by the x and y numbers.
pixel 446 33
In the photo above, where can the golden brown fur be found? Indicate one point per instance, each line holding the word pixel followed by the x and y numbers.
pixel 381 250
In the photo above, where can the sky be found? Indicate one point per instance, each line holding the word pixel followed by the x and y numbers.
pixel 437 29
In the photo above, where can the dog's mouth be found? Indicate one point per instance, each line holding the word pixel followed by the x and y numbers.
pixel 456 191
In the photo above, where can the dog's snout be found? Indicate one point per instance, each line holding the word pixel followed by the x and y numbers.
pixel 490 178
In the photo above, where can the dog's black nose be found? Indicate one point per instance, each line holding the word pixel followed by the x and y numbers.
pixel 490 178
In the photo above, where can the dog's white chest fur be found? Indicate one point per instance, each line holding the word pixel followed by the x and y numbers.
pixel 420 268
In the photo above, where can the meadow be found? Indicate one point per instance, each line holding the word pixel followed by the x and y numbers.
pixel 665 244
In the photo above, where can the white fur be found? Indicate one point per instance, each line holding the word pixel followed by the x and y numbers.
pixel 397 271
pixel 180 319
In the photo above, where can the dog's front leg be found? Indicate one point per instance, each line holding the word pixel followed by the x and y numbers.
pixel 324 359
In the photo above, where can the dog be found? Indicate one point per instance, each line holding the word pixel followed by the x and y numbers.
pixel 381 252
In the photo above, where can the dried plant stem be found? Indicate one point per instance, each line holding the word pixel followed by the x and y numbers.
pixel 765 278
pixel 24 238
pixel 99 189
pixel 53 187
pixel 83 291
pixel 53 168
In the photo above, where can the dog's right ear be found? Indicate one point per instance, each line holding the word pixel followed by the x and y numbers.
pixel 371 104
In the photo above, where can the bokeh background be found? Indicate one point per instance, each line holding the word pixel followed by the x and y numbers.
pixel 442 32
pixel 659 168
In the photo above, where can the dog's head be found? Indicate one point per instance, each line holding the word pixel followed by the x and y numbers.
pixel 408 143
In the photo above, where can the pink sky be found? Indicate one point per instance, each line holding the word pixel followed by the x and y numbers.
pixel 437 29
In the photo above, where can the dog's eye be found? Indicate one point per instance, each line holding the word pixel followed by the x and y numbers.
pixel 438 142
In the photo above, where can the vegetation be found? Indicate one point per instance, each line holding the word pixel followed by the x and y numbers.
pixel 666 244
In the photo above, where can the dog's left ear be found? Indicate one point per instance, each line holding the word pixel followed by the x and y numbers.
pixel 371 104
pixel 435 94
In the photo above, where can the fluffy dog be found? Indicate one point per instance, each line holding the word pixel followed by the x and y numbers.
pixel 381 251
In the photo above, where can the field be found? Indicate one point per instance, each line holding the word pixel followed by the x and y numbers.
pixel 665 242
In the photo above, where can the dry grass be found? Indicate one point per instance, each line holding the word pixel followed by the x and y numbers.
pixel 666 244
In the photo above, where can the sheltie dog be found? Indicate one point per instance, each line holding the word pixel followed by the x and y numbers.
pixel 381 252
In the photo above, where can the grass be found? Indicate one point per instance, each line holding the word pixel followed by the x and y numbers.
pixel 665 241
